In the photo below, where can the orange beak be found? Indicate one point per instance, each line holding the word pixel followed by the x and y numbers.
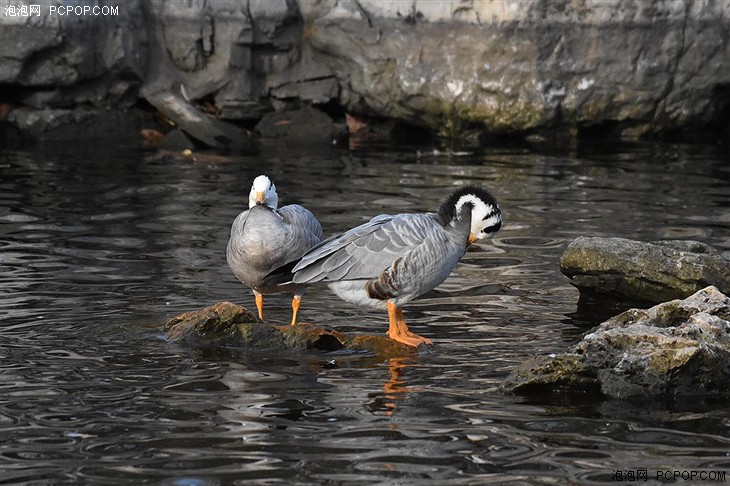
pixel 471 239
pixel 260 197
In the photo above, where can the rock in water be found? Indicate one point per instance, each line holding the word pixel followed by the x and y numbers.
pixel 305 126
pixel 229 325
pixel 678 348
pixel 655 272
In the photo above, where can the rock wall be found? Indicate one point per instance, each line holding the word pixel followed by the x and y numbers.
pixel 493 65
pixel 59 70
pixel 516 65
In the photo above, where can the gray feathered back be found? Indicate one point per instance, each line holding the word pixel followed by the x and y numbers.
pixel 263 239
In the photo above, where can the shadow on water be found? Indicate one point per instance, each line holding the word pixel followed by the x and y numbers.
pixel 100 245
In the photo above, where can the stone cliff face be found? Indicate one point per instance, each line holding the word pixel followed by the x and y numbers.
pixel 57 70
pixel 513 65
pixel 496 66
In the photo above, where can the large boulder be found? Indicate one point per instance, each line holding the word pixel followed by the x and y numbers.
pixel 655 271
pixel 305 126
pixel 675 349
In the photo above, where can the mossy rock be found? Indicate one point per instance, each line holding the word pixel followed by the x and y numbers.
pixel 553 374
pixel 644 271
pixel 230 325
pixel 675 349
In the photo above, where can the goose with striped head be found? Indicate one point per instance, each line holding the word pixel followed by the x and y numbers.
pixel 392 259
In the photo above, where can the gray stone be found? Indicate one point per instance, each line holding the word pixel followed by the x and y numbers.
pixel 54 50
pixel 21 39
pixel 80 123
pixel 203 45
pixel 308 81
pixel 244 110
pixel 269 16
pixel 67 78
pixel 655 271
pixel 306 125
pixel 179 76
pixel 101 92
pixel 317 91
pixel 176 141
pixel 34 121
pixel 675 349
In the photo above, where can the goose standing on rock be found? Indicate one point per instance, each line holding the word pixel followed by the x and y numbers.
pixel 264 238
pixel 393 259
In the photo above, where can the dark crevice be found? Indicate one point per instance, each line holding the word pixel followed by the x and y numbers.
pixel 602 129
pixel 11 93
pixel 719 121
pixel 333 109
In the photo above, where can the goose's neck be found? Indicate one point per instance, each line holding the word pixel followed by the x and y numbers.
pixel 460 228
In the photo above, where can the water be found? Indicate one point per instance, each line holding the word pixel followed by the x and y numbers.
pixel 101 244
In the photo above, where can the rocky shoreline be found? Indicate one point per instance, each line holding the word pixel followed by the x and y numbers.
pixel 677 349
pixel 456 69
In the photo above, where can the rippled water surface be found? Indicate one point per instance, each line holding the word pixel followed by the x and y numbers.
pixel 102 244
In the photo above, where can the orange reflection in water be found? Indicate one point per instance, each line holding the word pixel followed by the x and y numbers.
pixel 395 389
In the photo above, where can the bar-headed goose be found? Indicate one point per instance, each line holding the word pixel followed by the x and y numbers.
pixel 393 259
pixel 264 238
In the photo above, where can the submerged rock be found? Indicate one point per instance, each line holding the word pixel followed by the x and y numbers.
pixel 230 325
pixel 678 348
pixel 176 141
pixel 655 271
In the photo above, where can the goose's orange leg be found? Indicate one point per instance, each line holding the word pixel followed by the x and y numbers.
pixel 295 308
pixel 398 330
pixel 260 305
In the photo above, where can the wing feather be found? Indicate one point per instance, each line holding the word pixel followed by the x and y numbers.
pixel 303 228
pixel 366 251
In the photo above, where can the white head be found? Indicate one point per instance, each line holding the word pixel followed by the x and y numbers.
pixel 474 201
pixel 263 191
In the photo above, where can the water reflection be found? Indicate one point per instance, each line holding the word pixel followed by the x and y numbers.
pixel 395 389
pixel 101 245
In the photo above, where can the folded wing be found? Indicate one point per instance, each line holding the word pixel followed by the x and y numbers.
pixel 366 251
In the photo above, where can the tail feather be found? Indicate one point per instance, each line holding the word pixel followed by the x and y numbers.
pixel 280 276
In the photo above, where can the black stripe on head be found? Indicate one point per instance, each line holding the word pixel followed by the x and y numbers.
pixel 447 211
pixel 494 228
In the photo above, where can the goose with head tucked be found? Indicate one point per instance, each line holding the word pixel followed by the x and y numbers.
pixel 392 259
pixel 266 237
